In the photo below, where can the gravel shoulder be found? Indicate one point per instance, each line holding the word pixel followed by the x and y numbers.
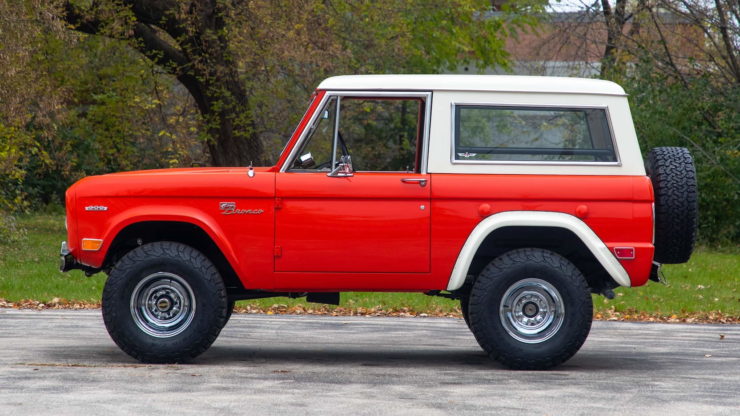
pixel 63 362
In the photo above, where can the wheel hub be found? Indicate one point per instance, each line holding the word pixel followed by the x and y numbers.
pixel 532 311
pixel 162 305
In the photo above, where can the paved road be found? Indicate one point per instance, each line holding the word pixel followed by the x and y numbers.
pixel 64 363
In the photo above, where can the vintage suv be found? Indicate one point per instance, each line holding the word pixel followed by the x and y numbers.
pixel 519 196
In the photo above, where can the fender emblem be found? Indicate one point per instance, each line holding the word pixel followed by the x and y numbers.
pixel 96 208
pixel 229 208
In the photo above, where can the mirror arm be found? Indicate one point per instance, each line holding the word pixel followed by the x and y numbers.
pixel 343 170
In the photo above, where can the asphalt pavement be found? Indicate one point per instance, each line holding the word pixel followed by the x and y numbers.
pixel 64 363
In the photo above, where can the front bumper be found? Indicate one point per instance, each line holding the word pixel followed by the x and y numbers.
pixel 67 262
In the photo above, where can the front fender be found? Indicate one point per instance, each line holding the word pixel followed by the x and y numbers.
pixel 167 213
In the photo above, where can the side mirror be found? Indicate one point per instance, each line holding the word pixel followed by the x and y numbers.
pixel 343 169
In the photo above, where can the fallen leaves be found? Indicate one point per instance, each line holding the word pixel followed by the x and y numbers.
pixel 611 314
pixel 281 309
pixel 55 303
pixel 714 317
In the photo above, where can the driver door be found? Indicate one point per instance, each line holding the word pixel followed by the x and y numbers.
pixel 354 199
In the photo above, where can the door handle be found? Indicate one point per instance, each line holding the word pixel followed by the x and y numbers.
pixel 421 182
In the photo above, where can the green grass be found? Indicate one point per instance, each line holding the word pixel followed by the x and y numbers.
pixel 710 282
pixel 29 269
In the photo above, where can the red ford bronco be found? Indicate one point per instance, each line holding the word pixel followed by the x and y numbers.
pixel 519 196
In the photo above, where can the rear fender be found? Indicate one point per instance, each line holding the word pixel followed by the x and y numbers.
pixel 535 219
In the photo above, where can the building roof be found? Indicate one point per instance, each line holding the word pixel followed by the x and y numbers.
pixel 502 83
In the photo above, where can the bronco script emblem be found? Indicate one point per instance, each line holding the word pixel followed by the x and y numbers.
pixel 229 208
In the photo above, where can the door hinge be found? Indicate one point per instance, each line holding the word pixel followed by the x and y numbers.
pixel 278 251
pixel 278 203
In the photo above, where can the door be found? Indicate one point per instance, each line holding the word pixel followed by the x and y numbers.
pixel 354 199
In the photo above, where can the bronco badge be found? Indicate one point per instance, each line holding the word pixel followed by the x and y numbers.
pixel 229 208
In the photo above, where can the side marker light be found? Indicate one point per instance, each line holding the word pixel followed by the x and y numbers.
pixel 91 244
pixel 624 253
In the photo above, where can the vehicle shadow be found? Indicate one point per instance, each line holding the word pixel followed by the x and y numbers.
pixel 361 355
pixel 444 358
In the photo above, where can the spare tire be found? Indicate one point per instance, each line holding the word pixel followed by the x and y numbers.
pixel 671 169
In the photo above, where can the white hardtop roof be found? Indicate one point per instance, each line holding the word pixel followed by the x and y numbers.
pixel 503 83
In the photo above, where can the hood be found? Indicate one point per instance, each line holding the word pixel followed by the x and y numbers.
pixel 186 182
pixel 185 171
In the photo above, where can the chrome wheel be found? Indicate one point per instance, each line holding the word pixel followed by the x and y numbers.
pixel 163 305
pixel 532 311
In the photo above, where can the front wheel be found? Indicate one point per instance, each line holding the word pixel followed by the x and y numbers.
pixel 164 302
pixel 530 309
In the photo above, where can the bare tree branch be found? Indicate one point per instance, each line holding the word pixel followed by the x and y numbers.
pixel 729 47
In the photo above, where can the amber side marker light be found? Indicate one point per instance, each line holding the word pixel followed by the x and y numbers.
pixel 624 253
pixel 91 244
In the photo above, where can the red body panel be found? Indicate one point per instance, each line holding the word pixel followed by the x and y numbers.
pixel 619 210
pixel 192 196
pixel 370 222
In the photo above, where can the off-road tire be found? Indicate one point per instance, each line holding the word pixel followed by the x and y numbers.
pixel 229 310
pixel 672 172
pixel 465 309
pixel 523 267
pixel 162 271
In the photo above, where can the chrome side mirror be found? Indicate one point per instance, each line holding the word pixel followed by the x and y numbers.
pixel 343 169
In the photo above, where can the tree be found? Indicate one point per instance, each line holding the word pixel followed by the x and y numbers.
pixel 189 40
pixel 195 41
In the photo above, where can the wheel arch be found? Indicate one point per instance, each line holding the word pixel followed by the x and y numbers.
pixel 194 235
pixel 554 231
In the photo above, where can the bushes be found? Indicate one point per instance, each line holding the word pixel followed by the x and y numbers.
pixel 703 116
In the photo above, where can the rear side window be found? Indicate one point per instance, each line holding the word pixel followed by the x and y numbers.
pixel 544 134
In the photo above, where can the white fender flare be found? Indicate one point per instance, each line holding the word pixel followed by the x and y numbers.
pixel 535 219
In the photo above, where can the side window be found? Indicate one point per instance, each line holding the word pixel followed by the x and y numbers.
pixel 496 133
pixel 379 134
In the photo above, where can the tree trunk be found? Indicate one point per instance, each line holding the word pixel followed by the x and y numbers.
pixel 200 59
pixel 615 20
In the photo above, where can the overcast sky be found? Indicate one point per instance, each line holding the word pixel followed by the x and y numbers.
pixel 569 5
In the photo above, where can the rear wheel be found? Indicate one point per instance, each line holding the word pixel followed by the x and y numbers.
pixel 464 308
pixel 530 309
pixel 164 302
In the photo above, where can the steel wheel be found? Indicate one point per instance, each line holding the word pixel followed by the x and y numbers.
pixel 532 311
pixel 163 305
pixel 164 302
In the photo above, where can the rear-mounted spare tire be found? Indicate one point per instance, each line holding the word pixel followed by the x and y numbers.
pixel 671 169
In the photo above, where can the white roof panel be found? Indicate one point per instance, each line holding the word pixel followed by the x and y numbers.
pixel 503 83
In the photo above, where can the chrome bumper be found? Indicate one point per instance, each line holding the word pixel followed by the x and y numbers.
pixel 67 262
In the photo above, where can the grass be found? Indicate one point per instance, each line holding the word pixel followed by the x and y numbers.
pixel 708 284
